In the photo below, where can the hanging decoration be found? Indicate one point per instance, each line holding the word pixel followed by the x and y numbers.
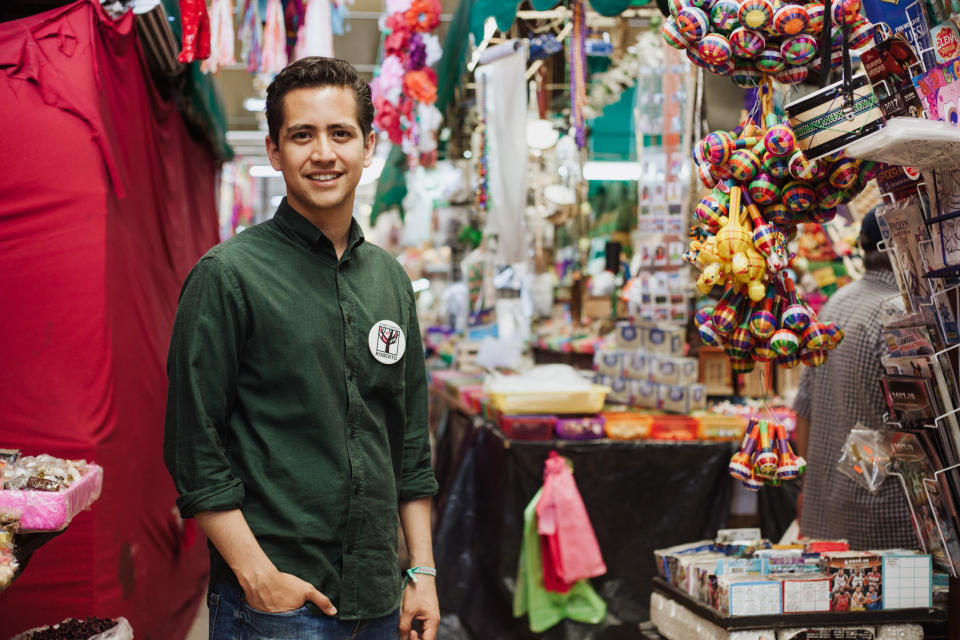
pixel 578 73
pixel 222 40
pixel 195 34
pixel 315 35
pixel 273 57
pixel 251 36
pixel 405 86
pixel 742 247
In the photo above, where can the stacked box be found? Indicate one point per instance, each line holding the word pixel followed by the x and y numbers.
pixel 855 580
pixel 805 593
pixel 749 595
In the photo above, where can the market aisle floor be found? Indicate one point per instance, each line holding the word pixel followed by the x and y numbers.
pixel 200 630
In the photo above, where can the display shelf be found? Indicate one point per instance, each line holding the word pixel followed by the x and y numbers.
pixel 912 142
pixel 935 618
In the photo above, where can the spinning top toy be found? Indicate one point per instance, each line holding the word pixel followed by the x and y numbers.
pixel 763 322
pixel 778 168
pixel 799 49
pixel 844 173
pixel 723 15
pixel 800 167
pixel 815 337
pixel 714 48
pixel 784 342
pixel 755 14
pixel 671 33
pixel 777 213
pixel 709 336
pixel 846 11
pixel 693 23
pixel 746 43
pixel 790 19
pixel 770 60
pixel 798 196
pixel 763 352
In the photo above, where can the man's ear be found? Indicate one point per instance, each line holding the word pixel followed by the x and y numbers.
pixel 273 153
pixel 369 146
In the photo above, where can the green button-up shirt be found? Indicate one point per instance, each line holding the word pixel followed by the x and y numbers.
pixel 278 407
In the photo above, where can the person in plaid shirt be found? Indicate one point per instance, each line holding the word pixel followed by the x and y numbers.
pixel 836 396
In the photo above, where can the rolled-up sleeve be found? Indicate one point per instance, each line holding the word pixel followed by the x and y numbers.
pixel 202 366
pixel 417 479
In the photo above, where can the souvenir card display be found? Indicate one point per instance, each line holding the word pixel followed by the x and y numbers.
pixel 745 575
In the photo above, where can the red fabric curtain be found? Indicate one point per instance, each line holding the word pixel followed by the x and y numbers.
pixel 106 201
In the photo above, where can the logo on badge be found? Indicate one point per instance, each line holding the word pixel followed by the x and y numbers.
pixel 387 342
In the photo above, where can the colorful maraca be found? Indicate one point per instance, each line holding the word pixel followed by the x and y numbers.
pixel 815 18
pixel 796 316
pixel 784 342
pixel 765 465
pixel 744 164
pixel 828 197
pixel 763 352
pixel 740 366
pixel 787 466
pixel 777 213
pixel 745 74
pixel 764 189
pixel 790 19
pixel 708 334
pixel 789 360
pixel 726 313
pixel 844 173
pixel 815 336
pixel 812 358
pixel 763 322
pixel 835 334
pixel 860 33
pixel 846 11
pixel 779 139
pixel 755 14
pixel 740 341
pixel 741 463
pixel 791 74
pixel 800 167
pixel 778 168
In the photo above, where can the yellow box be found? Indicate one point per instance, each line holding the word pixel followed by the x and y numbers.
pixel 533 402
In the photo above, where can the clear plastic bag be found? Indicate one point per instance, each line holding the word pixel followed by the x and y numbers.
pixel 121 631
pixel 866 457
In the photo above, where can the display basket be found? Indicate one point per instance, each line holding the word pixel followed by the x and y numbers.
pixel 537 402
pixel 53 510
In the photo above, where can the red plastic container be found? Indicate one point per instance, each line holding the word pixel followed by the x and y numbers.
pixel 539 427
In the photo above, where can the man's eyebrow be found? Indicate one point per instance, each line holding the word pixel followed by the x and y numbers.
pixel 300 127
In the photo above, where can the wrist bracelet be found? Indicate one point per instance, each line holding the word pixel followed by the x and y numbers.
pixel 410 574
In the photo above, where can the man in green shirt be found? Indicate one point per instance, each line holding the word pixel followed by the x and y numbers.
pixel 296 428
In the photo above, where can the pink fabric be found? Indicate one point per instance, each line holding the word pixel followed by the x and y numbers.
pixel 53 510
pixel 106 201
pixel 562 518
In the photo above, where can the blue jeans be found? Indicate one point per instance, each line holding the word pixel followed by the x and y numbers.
pixel 231 618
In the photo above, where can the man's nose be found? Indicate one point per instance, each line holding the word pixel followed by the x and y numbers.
pixel 322 150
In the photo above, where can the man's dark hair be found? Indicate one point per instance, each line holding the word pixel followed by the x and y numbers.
pixel 316 71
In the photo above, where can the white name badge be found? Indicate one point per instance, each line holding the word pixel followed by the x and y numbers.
pixel 387 342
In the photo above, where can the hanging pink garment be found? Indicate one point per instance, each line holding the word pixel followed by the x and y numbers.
pixel 196 31
pixel 274 56
pixel 562 518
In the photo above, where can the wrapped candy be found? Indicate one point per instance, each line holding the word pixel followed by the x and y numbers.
pixel 714 48
pixel 755 14
pixel 672 35
pixel 723 15
pixel 693 23
pixel 799 49
pixel 770 60
pixel 746 43
pixel 790 19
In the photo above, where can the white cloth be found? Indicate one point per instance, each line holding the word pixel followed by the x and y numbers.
pixel 505 96
pixel 315 36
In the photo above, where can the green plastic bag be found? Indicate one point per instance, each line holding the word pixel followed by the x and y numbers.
pixel 546 608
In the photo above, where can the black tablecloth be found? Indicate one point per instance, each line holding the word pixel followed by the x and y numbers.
pixel 640 496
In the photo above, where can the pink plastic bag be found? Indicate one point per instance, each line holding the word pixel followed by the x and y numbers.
pixel 562 518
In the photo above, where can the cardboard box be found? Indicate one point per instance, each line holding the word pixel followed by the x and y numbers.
pixel 715 373
pixel 608 363
pixel 855 580
pixel 644 394
pixel 620 391
pixel 806 593
pixel 666 558
pixel 636 365
pixel 749 596
pixel 628 336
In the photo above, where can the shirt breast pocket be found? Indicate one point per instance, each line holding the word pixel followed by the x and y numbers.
pixel 385 360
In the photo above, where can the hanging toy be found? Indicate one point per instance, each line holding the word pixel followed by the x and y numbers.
pixel 828 197
pixel 741 366
pixel 784 342
pixel 693 23
pixel 764 189
pixel 765 465
pixel 860 33
pixel 714 48
pixel 846 11
pixel 796 316
pixel 790 19
pixel 815 12
pixel 767 239
pixel 789 360
pixel 763 352
pixel 835 334
pixel 672 35
pixel 727 311
pixel 800 167
pixel 741 464
pixel 723 15
pixel 787 468
pixel 740 342
pixel 763 321
pixel 702 315
pixel 745 74
pixel 770 60
pixel 813 358
pixel 791 74
pixel 746 43
pixel 799 50
pixel 778 168
pixel 777 213
pixel 797 196
pixel 815 337
pixel 753 483
pixel 755 14
pixel 844 173
pixel 744 164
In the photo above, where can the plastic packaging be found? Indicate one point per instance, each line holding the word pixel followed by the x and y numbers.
pixel 539 427
pixel 865 458
pixel 121 631
pixel 53 510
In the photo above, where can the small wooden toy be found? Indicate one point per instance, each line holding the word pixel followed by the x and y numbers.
pixel 770 60
pixel 790 19
pixel 746 43
pixel 784 342
pixel 714 48
pixel 693 23
pixel 799 49
pixel 755 14
pixel 723 15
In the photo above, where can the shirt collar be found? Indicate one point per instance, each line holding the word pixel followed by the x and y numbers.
pixel 298 227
